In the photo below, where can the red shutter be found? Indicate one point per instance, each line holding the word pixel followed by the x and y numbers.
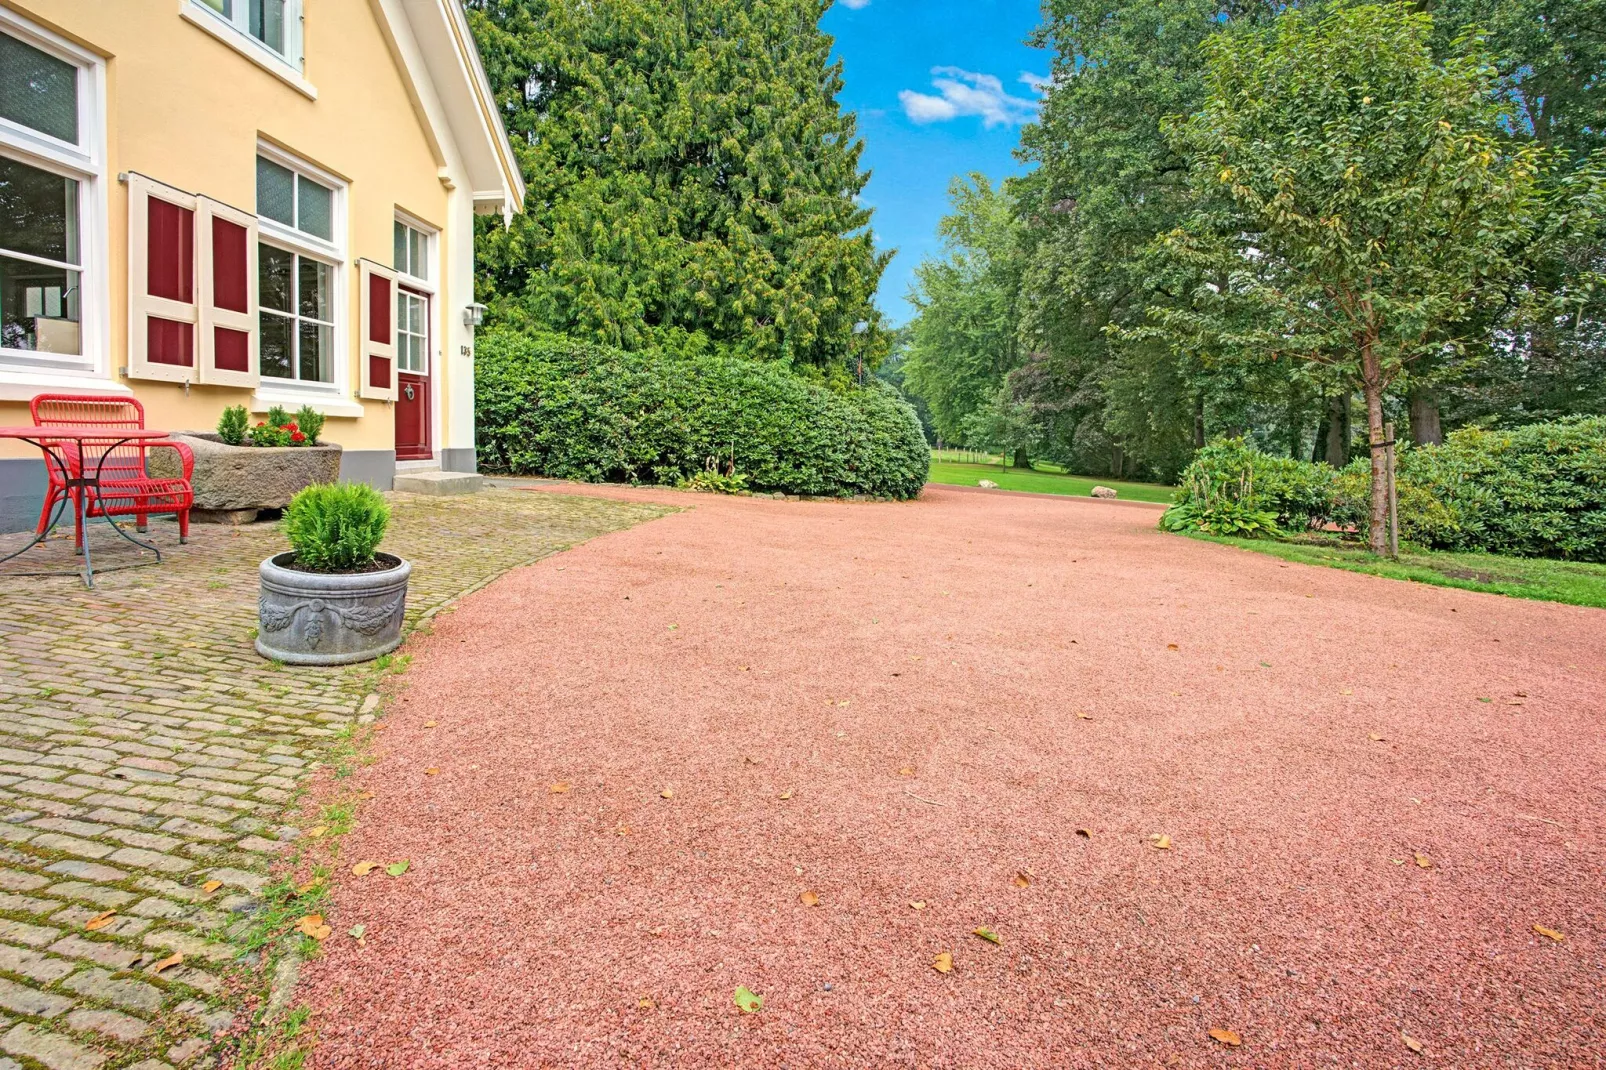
pixel 163 316
pixel 228 298
pixel 378 355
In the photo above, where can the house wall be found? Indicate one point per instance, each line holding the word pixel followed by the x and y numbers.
pixel 185 108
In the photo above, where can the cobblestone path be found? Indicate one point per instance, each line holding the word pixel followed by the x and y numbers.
pixel 146 751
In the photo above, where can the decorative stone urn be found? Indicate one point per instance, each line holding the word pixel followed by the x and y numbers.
pixel 330 618
pixel 233 483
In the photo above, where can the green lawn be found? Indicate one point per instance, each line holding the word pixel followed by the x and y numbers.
pixel 1572 582
pixel 968 475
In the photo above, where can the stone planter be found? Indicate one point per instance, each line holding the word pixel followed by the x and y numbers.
pixel 232 483
pixel 330 618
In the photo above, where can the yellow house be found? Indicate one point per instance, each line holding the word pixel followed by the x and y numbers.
pixel 208 203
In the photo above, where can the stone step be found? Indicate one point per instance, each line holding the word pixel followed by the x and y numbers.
pixel 434 481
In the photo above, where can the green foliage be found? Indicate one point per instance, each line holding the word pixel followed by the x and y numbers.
pixel 232 424
pixel 1534 491
pixel 280 429
pixel 335 527
pixel 1297 495
pixel 1222 517
pixel 691 179
pixel 578 410
pixel 712 481
pixel 310 423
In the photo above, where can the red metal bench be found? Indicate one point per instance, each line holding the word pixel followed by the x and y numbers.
pixel 126 487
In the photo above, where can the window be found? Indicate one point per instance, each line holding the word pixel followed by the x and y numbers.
pixel 412 332
pixel 276 24
pixel 48 183
pixel 412 252
pixel 298 271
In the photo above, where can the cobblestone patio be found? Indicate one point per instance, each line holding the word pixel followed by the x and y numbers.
pixel 146 750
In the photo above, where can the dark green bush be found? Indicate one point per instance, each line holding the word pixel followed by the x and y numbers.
pixel 1534 491
pixel 232 424
pixel 336 527
pixel 1231 484
pixel 555 406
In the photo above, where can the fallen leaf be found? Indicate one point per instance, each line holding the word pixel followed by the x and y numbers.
pixel 1172 646
pixel 809 899
pixel 747 1000
pixel 667 793
pixel 1346 691
pixel 560 788
pixel 1485 700
pixel 917 904
pixel 1085 834
pixel 1376 737
pixel 362 869
pixel 168 963
pixel 1083 716
pixel 1160 841
pixel 943 963
pixel 786 794
pixel 987 935
pixel 622 830
pixel 907 770
pixel 211 886
pixel 317 832
pixel 1558 937
pixel 1412 1043
pixel 431 771
pixel 312 925
pixel 307 887
pixel 396 869
pixel 1423 861
pixel 1227 1037
pixel 100 921
pixel 357 932
pixel 646 1003
pixel 1023 879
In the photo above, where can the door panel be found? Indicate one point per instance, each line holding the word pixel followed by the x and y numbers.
pixel 413 408
pixel 414 393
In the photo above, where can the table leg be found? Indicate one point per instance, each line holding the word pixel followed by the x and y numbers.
pixel 94 484
pixel 39 537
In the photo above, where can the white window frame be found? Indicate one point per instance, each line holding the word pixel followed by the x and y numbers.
pixel 332 398
pixel 288 66
pixel 24 373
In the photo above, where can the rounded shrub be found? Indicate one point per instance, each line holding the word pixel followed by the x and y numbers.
pixel 336 527
pixel 556 406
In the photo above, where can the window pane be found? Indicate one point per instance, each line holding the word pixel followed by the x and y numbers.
pixel 314 290
pixel 275 268
pixel 317 347
pixel 38 90
pixel 38 212
pixel 276 191
pixel 418 246
pixel 315 209
pixel 266 20
pixel 276 345
pixel 38 307
pixel 222 7
pixel 398 258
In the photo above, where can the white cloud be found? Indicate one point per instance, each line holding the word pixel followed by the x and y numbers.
pixel 1040 83
pixel 855 4
pixel 961 92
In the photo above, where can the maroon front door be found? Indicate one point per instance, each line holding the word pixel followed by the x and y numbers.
pixel 414 404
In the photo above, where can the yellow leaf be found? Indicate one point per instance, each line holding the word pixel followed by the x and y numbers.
pixel 317 832
pixel 430 724
pixel 172 960
pixel 100 921
pixel 1227 1037
pixel 1160 841
pixel 809 899
pixel 1412 1043
pixel 560 788
pixel 431 771
pixel 312 925
pixel 1375 737
pixel 917 904
pixel 787 794
pixel 1558 937
pixel 1085 834
pixel 211 886
pixel 907 770
pixel 1423 861
pixel 362 869
pixel 1022 879
pixel 1172 646
pixel 646 1003
pixel 622 830
pixel 667 793
pixel 1083 716
pixel 943 963
pixel 987 934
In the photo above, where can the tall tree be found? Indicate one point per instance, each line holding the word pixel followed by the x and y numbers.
pixel 963 339
pixel 1380 208
pixel 692 179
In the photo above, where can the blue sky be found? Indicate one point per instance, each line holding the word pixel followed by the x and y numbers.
pixel 941 88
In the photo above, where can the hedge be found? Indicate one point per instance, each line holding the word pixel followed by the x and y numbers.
pixel 1534 491
pixel 556 406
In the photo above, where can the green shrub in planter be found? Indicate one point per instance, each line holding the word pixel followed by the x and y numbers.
pixel 551 405
pixel 336 527
pixel 232 424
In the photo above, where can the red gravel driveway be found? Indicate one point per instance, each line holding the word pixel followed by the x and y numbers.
pixel 1373 792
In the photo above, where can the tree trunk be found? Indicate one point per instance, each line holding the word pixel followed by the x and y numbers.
pixel 1425 427
pixel 1296 421
pixel 1318 449
pixel 1021 460
pixel 1338 430
pixel 1198 423
pixel 1117 461
pixel 1377 536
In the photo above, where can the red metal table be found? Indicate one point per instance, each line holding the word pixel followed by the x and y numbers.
pixel 54 441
